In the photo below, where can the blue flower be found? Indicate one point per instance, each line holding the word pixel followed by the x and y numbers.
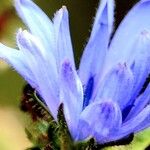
pixel 103 99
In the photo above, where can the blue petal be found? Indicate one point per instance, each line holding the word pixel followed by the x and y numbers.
pixel 95 51
pixel 84 130
pixel 38 23
pixel 141 62
pixel 99 119
pixel 133 125
pixel 117 85
pixel 62 34
pixel 124 41
pixel 71 94
pixel 140 67
pixel 140 103
pixel 44 70
pixel 16 59
pixel 145 123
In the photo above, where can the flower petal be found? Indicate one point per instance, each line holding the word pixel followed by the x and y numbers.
pixel 95 51
pixel 144 124
pixel 44 70
pixel 133 125
pixel 140 67
pixel 37 21
pixel 16 59
pixel 141 70
pixel 117 85
pixel 124 40
pixel 71 95
pixel 62 33
pixel 140 103
pixel 99 119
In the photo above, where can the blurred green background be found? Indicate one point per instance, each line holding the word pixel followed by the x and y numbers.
pixel 12 135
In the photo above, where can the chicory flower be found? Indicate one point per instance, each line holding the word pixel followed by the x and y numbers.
pixel 103 99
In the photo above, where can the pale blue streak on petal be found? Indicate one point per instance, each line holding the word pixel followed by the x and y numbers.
pixel 122 45
pixel 95 51
pixel 37 21
pixel 101 119
pixel 71 95
pixel 63 40
pixel 45 72
pixel 117 85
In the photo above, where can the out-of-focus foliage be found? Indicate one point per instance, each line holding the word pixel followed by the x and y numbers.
pixel 12 135
pixel 8 22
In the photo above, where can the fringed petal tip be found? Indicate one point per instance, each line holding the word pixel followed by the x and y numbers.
pixel 105 15
pixel 59 16
pixel 24 35
pixel 97 46
pixel 62 36
pixel 61 11
pixel 21 36
pixel 25 40
pixel 64 11
pixel 128 31
pixel 32 16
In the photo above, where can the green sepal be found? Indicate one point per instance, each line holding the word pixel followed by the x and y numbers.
pixel 53 136
pixel 88 144
pixel 66 142
pixel 37 133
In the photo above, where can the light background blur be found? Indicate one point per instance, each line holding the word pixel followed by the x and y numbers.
pixel 12 135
